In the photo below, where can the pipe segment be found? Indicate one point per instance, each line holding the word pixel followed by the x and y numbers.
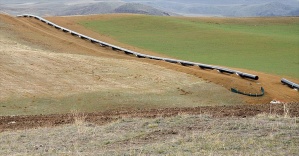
pixel 290 83
pixel 249 76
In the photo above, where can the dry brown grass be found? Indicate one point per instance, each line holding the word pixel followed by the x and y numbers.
pixel 264 134
pixel 35 80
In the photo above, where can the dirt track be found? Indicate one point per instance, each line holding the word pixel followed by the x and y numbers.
pixel 26 122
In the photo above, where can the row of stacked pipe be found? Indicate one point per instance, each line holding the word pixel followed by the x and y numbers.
pixel 139 55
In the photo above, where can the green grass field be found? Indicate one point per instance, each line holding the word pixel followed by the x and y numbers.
pixel 270 45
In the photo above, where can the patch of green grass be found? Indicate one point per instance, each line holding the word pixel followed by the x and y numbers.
pixel 268 47
pixel 111 100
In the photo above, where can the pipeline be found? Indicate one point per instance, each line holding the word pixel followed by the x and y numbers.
pixel 139 55
pixel 245 75
pixel 249 94
pixel 290 83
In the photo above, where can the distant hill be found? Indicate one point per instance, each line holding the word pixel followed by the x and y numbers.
pixel 140 9
pixel 66 8
pixel 227 8
pixel 113 7
pixel 231 8
pixel 268 9
pixel 94 8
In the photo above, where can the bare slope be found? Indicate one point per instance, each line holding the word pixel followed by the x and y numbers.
pixel 45 71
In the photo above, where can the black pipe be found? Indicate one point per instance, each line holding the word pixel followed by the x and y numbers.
pixel 290 83
pixel 171 61
pixel 205 67
pixel 128 53
pixel 249 76
pixel 103 45
pixel 186 64
pixel 64 30
pixel 249 94
pixel 113 48
pixel 94 41
pixel 155 58
pixel 225 71
pixel 140 56
pixel 74 34
pixel 82 37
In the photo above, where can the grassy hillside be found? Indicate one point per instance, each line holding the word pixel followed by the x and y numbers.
pixel 269 45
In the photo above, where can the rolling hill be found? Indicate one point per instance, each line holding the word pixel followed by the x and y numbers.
pixel 46 71
pixel 65 8
pixel 231 8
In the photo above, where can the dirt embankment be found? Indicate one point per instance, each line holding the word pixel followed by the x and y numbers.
pixel 25 122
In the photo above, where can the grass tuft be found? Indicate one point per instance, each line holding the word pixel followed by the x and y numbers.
pixel 79 117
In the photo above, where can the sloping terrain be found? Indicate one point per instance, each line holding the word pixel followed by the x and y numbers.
pixel 261 44
pixel 271 83
pixel 45 71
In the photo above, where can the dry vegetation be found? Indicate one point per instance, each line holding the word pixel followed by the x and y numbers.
pixel 65 73
pixel 264 134
pixel 35 81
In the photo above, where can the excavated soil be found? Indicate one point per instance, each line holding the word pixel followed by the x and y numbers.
pixel 100 118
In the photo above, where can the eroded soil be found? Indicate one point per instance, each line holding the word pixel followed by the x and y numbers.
pixel 27 122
